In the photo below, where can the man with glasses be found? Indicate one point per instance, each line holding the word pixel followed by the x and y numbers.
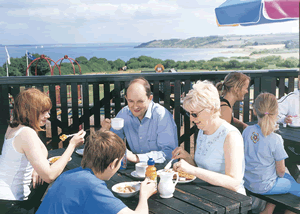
pixel 149 128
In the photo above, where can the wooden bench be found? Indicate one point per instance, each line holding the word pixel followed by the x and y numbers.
pixel 288 201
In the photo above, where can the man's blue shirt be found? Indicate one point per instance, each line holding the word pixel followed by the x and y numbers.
pixel 79 191
pixel 156 132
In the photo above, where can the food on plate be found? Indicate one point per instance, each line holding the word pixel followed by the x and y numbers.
pixel 185 175
pixel 54 159
pixel 182 175
pixel 63 137
pixel 126 189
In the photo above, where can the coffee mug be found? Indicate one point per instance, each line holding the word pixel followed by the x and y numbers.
pixel 117 123
pixel 140 169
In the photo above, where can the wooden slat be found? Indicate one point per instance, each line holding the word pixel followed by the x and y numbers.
pixel 179 204
pixel 64 110
pixel 86 112
pixel 107 100
pixel 268 84
pixel 156 91
pixel 126 86
pixel 75 113
pixel 281 87
pixel 64 107
pixel 53 117
pixel 187 122
pixel 291 84
pixel 244 201
pixel 246 106
pixel 5 114
pixel 231 206
pixel 167 94
pixel 117 97
pixel 177 105
pixel 96 97
pixel 193 199
pixel 15 90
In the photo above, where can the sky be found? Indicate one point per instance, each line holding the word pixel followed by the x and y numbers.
pixel 116 21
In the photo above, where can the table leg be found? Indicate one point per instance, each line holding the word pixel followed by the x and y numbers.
pixel 291 164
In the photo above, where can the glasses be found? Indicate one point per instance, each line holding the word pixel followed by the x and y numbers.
pixel 195 115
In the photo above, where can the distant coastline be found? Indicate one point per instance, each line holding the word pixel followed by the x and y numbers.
pixel 290 40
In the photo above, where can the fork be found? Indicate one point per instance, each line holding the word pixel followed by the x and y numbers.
pixel 168 166
pixel 67 136
pixel 70 135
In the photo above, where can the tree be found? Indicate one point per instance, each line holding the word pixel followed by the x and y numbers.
pixel 82 60
pixel 168 63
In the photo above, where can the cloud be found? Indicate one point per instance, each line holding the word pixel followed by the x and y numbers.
pixel 67 21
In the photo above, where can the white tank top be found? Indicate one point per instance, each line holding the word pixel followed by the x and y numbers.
pixel 15 172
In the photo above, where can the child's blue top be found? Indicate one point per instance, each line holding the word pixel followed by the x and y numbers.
pixel 79 191
pixel 260 155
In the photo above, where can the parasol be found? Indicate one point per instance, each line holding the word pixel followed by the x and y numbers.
pixel 255 12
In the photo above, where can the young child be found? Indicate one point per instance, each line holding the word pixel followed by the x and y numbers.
pixel 83 190
pixel 265 154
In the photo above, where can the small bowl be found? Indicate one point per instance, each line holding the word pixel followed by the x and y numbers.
pixel 136 185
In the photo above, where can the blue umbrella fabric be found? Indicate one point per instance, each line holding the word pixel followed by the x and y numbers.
pixel 255 12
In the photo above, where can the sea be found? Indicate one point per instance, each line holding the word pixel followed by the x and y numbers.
pixel 114 51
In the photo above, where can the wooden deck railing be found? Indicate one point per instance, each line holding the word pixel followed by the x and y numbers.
pixel 85 100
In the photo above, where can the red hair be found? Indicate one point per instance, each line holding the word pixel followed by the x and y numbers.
pixel 28 107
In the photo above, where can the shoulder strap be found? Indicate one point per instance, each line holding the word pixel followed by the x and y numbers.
pixel 222 99
pixel 18 132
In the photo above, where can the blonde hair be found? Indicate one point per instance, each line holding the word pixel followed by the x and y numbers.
pixel 205 95
pixel 28 107
pixel 266 108
pixel 233 81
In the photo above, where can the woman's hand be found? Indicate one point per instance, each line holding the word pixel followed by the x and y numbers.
pixel 288 119
pixel 36 179
pixel 180 153
pixel 106 124
pixel 184 166
pixel 78 139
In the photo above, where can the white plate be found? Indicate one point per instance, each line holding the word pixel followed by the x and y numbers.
pixel 79 151
pixel 294 125
pixel 134 184
pixel 57 157
pixel 133 174
pixel 179 181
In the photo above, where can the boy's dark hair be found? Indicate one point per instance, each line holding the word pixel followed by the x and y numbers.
pixel 101 149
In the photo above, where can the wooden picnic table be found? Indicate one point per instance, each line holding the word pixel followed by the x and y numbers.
pixel 195 197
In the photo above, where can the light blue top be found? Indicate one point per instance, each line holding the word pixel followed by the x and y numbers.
pixel 210 150
pixel 260 156
pixel 156 132
pixel 80 191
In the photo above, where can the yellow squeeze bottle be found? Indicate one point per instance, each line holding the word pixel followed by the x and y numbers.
pixel 151 170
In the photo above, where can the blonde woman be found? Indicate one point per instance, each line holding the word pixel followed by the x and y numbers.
pixel 233 89
pixel 265 154
pixel 23 158
pixel 219 155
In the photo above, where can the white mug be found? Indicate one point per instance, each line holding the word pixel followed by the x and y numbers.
pixel 140 169
pixel 117 123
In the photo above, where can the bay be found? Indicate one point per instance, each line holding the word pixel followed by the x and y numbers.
pixel 114 51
